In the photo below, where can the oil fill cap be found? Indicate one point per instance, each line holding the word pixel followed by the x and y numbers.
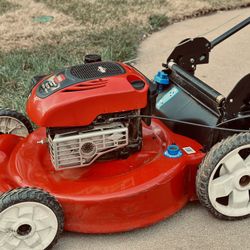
pixel 173 151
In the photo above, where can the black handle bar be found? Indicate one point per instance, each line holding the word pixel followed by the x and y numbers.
pixel 230 32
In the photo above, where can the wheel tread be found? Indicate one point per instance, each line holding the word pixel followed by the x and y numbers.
pixel 19 116
pixel 207 166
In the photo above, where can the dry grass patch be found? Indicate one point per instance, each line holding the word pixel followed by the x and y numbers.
pixel 80 19
pixel 18 30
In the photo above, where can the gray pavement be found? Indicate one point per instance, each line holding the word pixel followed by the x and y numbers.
pixel 193 227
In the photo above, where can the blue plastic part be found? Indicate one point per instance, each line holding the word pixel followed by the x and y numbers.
pixel 161 78
pixel 173 151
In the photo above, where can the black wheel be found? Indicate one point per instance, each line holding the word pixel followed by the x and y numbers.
pixel 29 219
pixel 13 122
pixel 223 179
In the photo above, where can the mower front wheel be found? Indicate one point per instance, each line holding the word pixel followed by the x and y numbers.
pixel 13 122
pixel 223 179
pixel 29 219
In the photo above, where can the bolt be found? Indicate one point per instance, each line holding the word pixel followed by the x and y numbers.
pixel 192 60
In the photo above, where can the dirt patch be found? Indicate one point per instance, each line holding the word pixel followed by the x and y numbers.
pixel 18 30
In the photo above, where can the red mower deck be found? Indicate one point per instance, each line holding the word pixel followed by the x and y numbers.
pixel 110 196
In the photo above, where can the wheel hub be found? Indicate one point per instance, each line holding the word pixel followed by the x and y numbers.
pixel 24 228
pixel 242 180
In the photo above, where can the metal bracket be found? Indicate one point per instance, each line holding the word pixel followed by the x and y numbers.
pixel 191 52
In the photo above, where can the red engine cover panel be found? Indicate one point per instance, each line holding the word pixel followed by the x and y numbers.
pixel 81 102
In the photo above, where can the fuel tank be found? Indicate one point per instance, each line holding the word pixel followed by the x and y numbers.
pixel 75 96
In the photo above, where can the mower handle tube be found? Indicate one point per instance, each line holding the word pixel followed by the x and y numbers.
pixel 197 83
pixel 230 32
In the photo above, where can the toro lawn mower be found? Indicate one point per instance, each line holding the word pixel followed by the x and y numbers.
pixel 115 151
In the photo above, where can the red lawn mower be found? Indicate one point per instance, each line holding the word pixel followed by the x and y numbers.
pixel 114 151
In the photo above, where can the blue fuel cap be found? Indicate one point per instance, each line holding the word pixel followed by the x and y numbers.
pixel 161 78
pixel 173 151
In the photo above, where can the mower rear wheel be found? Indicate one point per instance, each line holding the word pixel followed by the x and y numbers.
pixel 223 179
pixel 29 219
pixel 13 122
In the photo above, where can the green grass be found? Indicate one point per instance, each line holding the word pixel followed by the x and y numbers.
pixel 158 21
pixel 110 27
pixel 7 6
pixel 18 67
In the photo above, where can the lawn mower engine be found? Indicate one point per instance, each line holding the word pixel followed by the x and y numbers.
pixel 91 112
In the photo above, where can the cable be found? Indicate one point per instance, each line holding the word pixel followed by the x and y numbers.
pixel 233 120
pixel 185 122
pixel 220 25
pixel 208 32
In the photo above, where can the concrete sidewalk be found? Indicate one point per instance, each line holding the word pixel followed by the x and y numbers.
pixel 193 227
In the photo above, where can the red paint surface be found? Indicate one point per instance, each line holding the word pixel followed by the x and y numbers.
pixel 109 196
pixel 92 98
